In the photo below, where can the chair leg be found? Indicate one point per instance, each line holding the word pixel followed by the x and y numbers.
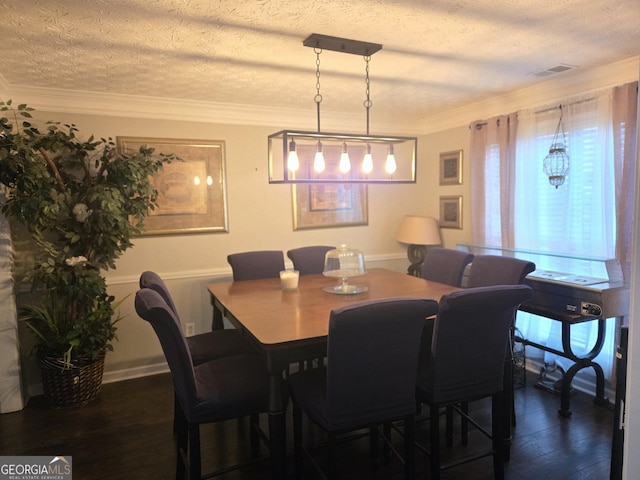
pixel 176 407
pixel 409 449
pixel 449 425
pixel 298 454
pixel 195 467
pixel 332 467
pixel 497 419
pixel 386 451
pixel 435 441
pixel 254 435
pixel 182 441
pixel 374 445
pixel 507 408
pixel 464 422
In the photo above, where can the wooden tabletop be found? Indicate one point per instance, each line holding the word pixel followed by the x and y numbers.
pixel 275 317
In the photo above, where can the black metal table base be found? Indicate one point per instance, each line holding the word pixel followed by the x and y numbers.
pixel 580 362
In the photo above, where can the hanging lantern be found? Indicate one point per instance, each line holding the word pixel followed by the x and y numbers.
pixel 556 163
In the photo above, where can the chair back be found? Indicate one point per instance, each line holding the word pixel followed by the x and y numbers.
pixel 256 265
pixel 309 260
pixel 446 265
pixel 470 338
pixel 153 281
pixel 372 356
pixel 489 270
pixel 151 307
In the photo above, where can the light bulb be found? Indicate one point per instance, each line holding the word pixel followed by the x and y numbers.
pixel 293 164
pixel 196 180
pixel 345 163
pixel 209 180
pixel 390 165
pixel 367 162
pixel 318 161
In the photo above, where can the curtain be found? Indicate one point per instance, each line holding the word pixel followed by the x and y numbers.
pixel 625 117
pixel 492 171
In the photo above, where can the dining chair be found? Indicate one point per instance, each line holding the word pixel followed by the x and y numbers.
pixel 369 378
pixel 206 346
pixel 487 270
pixel 207 393
pixel 309 260
pixel 203 347
pixel 446 265
pixel 257 264
pixel 466 361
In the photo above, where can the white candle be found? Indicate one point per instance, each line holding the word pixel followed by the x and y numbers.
pixel 289 279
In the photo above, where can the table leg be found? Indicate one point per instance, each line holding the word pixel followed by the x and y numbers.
pixel 217 322
pixel 277 426
pixel 580 363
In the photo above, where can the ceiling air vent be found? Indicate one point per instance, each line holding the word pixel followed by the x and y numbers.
pixel 563 67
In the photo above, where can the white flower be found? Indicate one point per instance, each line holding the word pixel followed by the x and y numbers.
pixel 81 212
pixel 73 261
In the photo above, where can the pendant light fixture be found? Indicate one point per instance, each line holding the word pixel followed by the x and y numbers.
pixel 556 163
pixel 318 157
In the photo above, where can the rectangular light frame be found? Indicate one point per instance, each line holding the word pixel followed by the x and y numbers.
pixel 405 151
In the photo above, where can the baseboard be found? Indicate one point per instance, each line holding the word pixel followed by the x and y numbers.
pixel 131 373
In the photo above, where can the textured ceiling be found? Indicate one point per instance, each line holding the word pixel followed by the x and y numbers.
pixel 437 54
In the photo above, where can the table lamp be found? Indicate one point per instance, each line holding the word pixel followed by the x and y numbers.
pixel 343 263
pixel 418 232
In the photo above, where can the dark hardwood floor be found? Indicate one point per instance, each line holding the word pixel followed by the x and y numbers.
pixel 127 434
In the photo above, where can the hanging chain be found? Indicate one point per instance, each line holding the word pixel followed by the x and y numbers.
pixel 318 97
pixel 559 128
pixel 367 103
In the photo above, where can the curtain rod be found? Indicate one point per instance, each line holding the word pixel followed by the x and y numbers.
pixel 571 104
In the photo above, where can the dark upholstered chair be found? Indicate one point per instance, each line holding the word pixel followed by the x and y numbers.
pixel 205 346
pixel 309 260
pixel 369 379
pixel 208 392
pixel 489 270
pixel 445 265
pixel 256 265
pixel 466 359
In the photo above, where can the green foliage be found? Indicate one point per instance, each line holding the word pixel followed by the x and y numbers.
pixel 81 201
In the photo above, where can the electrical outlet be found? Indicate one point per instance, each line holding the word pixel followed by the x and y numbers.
pixel 190 329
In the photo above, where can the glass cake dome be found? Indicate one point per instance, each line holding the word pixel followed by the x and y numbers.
pixel 344 263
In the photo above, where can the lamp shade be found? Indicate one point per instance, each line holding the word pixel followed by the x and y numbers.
pixel 416 230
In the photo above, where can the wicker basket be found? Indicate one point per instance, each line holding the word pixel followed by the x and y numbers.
pixel 71 386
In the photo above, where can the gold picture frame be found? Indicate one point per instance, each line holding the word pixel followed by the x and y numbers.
pixel 451 211
pixel 325 205
pixel 451 168
pixel 192 191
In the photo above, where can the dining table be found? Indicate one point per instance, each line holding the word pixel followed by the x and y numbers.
pixel 289 327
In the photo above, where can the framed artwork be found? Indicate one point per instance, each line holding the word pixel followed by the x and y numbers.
pixel 330 204
pixel 451 168
pixel 192 192
pixel 451 211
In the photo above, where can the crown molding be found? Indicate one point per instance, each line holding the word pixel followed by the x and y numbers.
pixel 118 105
pixel 553 90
